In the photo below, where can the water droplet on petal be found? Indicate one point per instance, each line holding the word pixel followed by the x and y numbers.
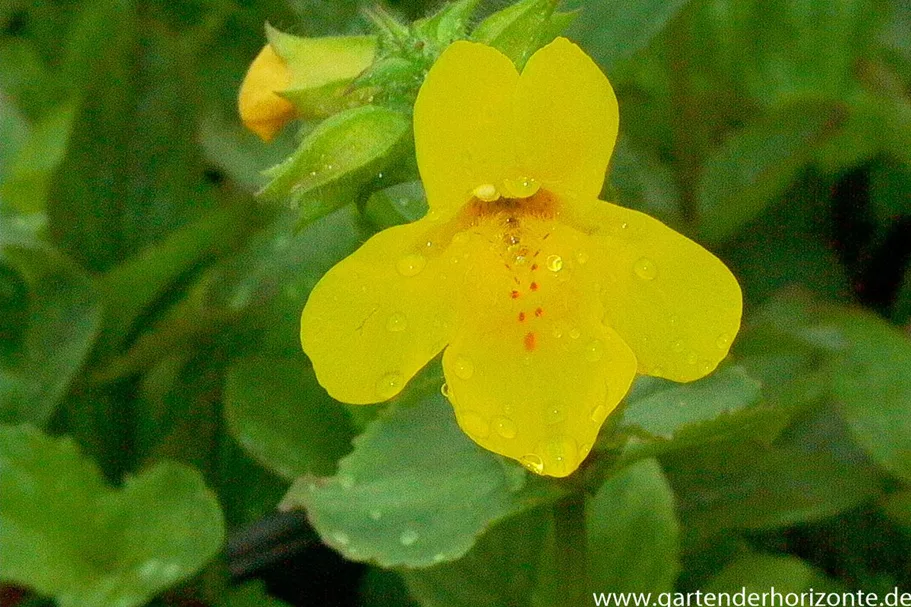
pixel 554 263
pixel 411 265
pixel 677 346
pixel 463 368
pixel 408 537
pixel 486 192
pixel 396 323
pixel 557 332
pixel 533 462
pixel 706 366
pixel 521 188
pixel 692 358
pixel 594 351
pixel 554 415
pixel 505 427
pixel 461 238
pixel 561 456
pixel 581 257
pixel 599 414
pixel 645 269
pixel 389 385
pixel 723 342
pixel 584 450
pixel 475 425
pixel 444 389
pixel 340 537
pixel 575 333
pixel 657 372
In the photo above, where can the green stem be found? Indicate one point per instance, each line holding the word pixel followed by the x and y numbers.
pixel 571 547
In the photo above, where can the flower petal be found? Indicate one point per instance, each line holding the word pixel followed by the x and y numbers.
pixel 532 372
pixel 261 109
pixel 675 304
pixel 462 124
pixel 566 119
pixel 379 315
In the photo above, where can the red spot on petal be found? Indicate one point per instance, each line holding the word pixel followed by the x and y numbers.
pixel 533 286
pixel 514 294
pixel 521 316
pixel 531 341
pixel 539 312
pixel 534 267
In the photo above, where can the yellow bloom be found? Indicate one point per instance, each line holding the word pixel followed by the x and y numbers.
pixel 301 77
pixel 547 300
pixel 261 109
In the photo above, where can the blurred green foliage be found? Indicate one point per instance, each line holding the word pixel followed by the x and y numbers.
pixel 154 399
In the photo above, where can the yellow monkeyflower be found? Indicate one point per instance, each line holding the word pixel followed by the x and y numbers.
pixel 547 300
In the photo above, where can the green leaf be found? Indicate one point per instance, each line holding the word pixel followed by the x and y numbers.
pixel 251 594
pixel 449 24
pixel 615 30
pixel 337 158
pixel 751 487
pixel 88 544
pixel 873 386
pixel 519 30
pixel 279 413
pixel 14 132
pixel 644 183
pixel 755 166
pixel 760 572
pixel 63 319
pixel 378 508
pixel 501 569
pixel 633 534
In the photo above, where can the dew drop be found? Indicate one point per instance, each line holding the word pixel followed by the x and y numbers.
pixel 561 455
pixel 706 366
pixel 599 414
pixel 444 389
pixel 521 188
pixel 461 238
pixel 645 269
pixel 463 368
pixel 505 427
pixel 554 263
pixel 554 415
pixel 411 265
pixel 657 372
pixel 677 346
pixel 341 538
pixel 396 323
pixel 486 192
pixel 557 332
pixel 475 425
pixel 723 342
pixel 408 537
pixel 673 319
pixel 584 450
pixel 533 462
pixel 594 351
pixel 692 358
pixel 575 333
pixel 389 385
pixel 581 257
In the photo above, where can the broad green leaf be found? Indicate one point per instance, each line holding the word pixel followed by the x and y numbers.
pixel 756 165
pixel 378 507
pixel 89 544
pixel 500 570
pixel 633 533
pixel 384 588
pixel 337 158
pixel 279 413
pixel 747 486
pixel 251 594
pixel 644 183
pixel 872 384
pixel 760 572
pixel 62 322
pixel 612 31
pixel 450 23
pixel 14 132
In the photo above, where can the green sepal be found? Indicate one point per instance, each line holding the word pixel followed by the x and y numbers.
pixel 337 158
pixel 519 30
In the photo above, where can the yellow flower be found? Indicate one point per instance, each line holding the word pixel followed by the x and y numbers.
pixel 547 300
pixel 261 109
pixel 301 77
